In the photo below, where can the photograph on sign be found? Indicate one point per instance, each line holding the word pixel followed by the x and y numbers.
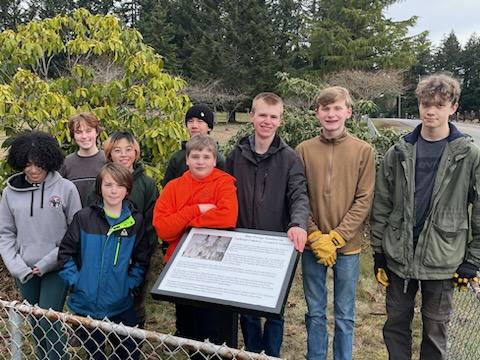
pixel 248 270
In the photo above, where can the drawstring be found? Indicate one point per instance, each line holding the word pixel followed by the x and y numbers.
pixel 31 205
pixel 43 190
pixel 41 200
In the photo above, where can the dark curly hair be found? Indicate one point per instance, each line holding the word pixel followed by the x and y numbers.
pixel 35 147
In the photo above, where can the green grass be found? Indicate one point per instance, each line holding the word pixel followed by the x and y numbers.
pixel 222 117
pixel 369 318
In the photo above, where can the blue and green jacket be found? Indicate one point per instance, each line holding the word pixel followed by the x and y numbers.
pixel 103 260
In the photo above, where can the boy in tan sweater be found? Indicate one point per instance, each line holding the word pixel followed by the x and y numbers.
pixel 340 171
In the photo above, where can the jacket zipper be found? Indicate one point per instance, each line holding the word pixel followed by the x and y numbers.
pixel 117 251
pixel 330 168
pixel 101 269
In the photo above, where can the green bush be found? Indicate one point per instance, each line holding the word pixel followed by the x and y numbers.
pixel 56 67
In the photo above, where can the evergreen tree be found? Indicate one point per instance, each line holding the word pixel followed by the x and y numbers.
pixel 421 68
pixel 250 63
pixel 11 14
pixel 470 99
pixel 42 9
pixel 448 55
pixel 289 24
pixel 96 6
pixel 354 34
pixel 207 56
pixel 157 31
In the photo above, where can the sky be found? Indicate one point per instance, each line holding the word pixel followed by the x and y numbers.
pixel 440 17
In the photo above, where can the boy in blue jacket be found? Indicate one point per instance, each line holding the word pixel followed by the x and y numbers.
pixel 104 256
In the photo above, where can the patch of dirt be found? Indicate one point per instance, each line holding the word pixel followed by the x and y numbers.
pixel 8 290
pixel 224 131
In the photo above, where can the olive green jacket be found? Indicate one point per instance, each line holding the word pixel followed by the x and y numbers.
pixel 444 242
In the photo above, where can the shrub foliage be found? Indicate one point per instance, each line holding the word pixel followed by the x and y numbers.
pixel 53 68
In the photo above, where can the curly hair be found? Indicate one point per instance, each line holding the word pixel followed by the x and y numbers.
pixel 35 147
pixel 439 87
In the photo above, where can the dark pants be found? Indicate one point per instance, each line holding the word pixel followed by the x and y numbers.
pixel 47 291
pixel 437 303
pixel 255 341
pixel 122 347
pixel 200 323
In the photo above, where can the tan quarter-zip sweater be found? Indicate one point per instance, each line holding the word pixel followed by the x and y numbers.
pixel 341 177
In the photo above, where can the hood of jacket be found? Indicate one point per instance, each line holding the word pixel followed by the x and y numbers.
pixel 19 183
pixel 247 146
pixel 138 170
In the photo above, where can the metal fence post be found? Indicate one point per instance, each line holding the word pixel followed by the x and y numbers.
pixel 15 324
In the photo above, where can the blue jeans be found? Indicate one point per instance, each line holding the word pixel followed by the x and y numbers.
pixel 345 278
pixel 270 341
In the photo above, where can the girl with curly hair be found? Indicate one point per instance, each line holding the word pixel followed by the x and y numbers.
pixel 36 207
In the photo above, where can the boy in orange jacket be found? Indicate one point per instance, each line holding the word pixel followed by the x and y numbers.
pixel 202 197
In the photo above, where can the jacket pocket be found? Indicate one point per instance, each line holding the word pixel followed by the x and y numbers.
pixel 393 245
pixel 446 244
pixel 84 291
pixel 33 253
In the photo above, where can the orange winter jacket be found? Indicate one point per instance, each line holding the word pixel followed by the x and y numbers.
pixel 177 207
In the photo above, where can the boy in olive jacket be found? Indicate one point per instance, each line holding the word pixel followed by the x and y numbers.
pixel 420 221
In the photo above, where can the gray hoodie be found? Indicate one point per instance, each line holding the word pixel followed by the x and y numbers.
pixel 33 221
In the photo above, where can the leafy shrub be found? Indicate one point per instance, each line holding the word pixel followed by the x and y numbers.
pixel 56 67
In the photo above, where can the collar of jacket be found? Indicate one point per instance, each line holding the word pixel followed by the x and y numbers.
pixel 339 139
pixel 128 208
pixel 124 224
pixel 138 169
pixel 457 143
pixel 248 149
pixel 454 134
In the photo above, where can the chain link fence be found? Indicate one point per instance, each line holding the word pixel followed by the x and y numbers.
pixel 464 327
pixel 29 332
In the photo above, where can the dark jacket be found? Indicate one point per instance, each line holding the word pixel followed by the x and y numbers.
pixel 144 195
pixel 272 190
pixel 103 260
pixel 177 164
pixel 444 241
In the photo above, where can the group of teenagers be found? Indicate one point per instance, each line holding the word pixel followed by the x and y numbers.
pixel 88 224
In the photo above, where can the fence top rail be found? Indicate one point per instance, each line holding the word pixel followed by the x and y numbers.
pixel 75 321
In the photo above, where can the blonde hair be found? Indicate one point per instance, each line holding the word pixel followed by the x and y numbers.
pixel 269 98
pixel 200 142
pixel 109 144
pixel 435 86
pixel 332 94
pixel 87 118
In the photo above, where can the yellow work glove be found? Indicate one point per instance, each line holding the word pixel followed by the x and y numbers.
pixel 325 248
pixel 379 266
pixel 465 273
pixel 314 236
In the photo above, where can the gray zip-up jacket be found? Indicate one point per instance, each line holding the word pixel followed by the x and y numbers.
pixel 33 221
pixel 444 242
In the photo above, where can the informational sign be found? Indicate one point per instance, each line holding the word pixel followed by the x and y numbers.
pixel 248 271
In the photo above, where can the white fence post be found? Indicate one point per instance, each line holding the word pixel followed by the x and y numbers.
pixel 15 325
